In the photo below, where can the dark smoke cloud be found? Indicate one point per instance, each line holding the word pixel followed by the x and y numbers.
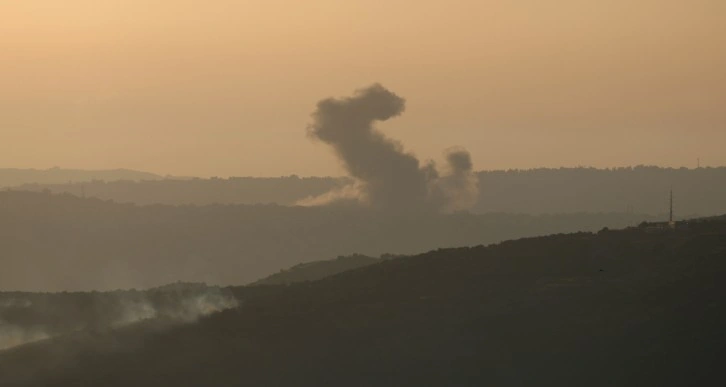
pixel 386 176
pixel 458 189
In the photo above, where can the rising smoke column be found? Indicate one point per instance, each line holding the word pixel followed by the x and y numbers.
pixel 386 176
pixel 458 189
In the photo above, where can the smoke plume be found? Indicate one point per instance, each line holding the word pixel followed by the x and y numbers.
pixel 22 322
pixel 385 175
pixel 13 335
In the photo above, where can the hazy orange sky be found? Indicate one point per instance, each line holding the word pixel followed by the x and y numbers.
pixel 221 87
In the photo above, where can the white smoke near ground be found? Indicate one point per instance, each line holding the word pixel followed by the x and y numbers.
pixel 385 175
pixel 346 194
pixel 132 311
pixel 191 308
pixel 185 309
pixel 119 310
pixel 15 302
pixel 13 335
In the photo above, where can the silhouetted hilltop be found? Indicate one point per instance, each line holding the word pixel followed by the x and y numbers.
pixel 537 191
pixel 63 242
pixel 625 308
pixel 11 177
pixel 311 271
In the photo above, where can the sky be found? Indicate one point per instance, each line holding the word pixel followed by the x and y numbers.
pixel 226 88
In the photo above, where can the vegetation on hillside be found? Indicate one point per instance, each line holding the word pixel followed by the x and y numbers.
pixel 639 189
pixel 311 271
pixel 626 308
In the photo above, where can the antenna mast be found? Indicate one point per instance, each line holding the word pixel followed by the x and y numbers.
pixel 671 223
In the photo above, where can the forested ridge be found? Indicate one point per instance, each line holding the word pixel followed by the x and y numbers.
pixel 619 307
pixel 641 189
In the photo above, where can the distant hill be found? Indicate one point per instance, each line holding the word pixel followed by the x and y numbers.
pixel 616 308
pixel 63 242
pixel 537 191
pixel 236 190
pixel 641 189
pixel 312 271
pixel 10 177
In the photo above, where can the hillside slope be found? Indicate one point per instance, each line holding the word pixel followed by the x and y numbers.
pixel 623 308
pixel 639 189
pixel 115 246
pixel 312 271
pixel 29 317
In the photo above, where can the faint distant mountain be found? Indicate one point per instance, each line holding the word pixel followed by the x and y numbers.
pixel 311 271
pixel 641 189
pixel 235 190
pixel 537 191
pixel 10 177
